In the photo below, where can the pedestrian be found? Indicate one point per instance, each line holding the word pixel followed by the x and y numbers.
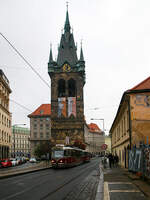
pixel 104 161
pixel 113 160
pixel 110 157
pixel 116 160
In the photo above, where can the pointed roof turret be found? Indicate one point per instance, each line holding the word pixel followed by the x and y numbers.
pixel 50 55
pixel 81 54
pixel 67 23
pixel 67 48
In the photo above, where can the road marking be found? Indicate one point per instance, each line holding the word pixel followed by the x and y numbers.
pixel 124 191
pixel 119 183
pixel 106 191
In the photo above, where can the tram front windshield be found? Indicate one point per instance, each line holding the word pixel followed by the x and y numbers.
pixel 58 154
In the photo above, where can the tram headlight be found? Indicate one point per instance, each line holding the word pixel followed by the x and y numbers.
pixel 53 161
pixel 61 161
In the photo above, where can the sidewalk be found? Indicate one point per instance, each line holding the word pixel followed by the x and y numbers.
pixel 119 184
pixel 18 171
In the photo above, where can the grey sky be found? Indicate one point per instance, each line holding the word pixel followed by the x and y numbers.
pixel 116 47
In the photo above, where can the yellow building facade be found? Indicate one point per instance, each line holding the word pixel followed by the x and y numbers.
pixel 5 117
pixel 131 126
pixel 108 143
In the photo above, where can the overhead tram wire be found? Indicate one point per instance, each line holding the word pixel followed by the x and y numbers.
pixel 24 60
pixel 20 105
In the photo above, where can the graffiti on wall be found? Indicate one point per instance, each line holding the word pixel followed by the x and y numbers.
pixel 135 160
pixel 147 161
pixel 142 100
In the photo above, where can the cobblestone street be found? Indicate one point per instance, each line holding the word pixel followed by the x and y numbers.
pixel 86 189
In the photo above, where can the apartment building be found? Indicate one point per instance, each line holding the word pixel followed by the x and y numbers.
pixel 94 138
pixel 5 117
pixel 40 126
pixel 131 125
pixel 20 141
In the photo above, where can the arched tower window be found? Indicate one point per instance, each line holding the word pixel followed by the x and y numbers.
pixel 72 88
pixel 61 88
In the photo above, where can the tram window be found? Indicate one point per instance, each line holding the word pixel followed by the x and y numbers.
pixel 68 152
pixel 78 153
pixel 73 153
pixel 65 152
pixel 58 154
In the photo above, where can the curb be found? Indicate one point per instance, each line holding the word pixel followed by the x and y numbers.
pixel 100 188
pixel 23 172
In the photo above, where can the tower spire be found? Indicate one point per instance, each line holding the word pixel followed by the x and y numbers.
pixel 67 49
pixel 67 23
pixel 50 55
pixel 81 54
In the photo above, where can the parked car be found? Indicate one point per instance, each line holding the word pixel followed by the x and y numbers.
pixel 24 160
pixel 27 159
pixel 32 160
pixel 19 160
pixel 1 164
pixel 14 161
pixel 6 163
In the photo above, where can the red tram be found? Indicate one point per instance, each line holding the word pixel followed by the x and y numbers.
pixel 64 156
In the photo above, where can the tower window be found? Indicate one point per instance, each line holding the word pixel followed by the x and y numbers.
pixel 61 88
pixel 72 88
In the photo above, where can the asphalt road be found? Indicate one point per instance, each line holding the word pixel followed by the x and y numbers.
pixel 22 166
pixel 78 183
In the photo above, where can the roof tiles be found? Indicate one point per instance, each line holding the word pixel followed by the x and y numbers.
pixel 94 128
pixel 42 110
pixel 143 85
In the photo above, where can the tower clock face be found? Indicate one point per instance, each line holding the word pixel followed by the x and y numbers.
pixel 66 68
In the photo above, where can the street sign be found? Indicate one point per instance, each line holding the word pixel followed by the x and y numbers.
pixel 104 146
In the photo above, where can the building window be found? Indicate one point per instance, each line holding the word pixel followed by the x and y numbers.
pixel 47 134
pixel 9 123
pixel 41 135
pixel 122 128
pixel 35 126
pixel 35 134
pixel 124 125
pixel 47 125
pixel 61 88
pixel 41 126
pixel 72 88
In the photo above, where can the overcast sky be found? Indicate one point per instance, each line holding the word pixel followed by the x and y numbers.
pixel 116 47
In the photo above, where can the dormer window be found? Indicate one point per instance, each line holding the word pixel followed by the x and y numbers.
pixel 41 112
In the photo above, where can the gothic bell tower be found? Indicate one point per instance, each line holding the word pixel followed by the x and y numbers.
pixel 67 75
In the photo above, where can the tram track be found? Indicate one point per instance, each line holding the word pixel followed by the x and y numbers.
pixel 87 187
pixel 66 183
pixel 69 176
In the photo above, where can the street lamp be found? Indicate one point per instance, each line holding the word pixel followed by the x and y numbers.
pixel 15 125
